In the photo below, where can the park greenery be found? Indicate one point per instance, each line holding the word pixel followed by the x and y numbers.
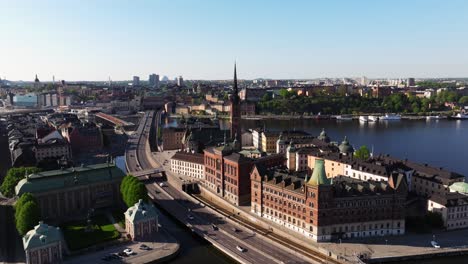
pixel 13 176
pixel 81 234
pixel 132 190
pixel 288 102
pixel 27 213
pixel 362 153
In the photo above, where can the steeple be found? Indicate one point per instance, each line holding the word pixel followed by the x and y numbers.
pixel 235 111
pixel 319 177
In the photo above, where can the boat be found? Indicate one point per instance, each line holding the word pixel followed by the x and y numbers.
pixel 390 117
pixel 459 116
pixel 436 117
pixel 373 118
pixel 344 118
pixel 363 118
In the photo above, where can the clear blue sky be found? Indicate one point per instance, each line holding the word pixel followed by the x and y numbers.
pixel 95 39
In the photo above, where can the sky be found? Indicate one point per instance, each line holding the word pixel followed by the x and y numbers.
pixel 97 39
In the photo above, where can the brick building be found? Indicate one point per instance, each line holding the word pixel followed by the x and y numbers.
pixel 172 138
pixel 227 172
pixel 323 210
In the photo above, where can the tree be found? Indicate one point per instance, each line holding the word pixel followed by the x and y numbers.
pixel 362 153
pixel 136 192
pixel 27 217
pixel 25 197
pixel 463 100
pixel 13 176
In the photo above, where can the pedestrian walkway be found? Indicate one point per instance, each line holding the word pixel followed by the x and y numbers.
pixel 116 225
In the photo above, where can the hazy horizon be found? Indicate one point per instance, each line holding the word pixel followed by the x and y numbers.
pixel 94 40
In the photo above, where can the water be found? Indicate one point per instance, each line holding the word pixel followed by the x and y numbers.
pixel 442 143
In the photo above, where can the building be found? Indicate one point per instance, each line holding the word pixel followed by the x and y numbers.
pixel 227 172
pixel 257 138
pixel 180 81
pixel 453 207
pixel 29 100
pixel 235 114
pixel 188 164
pixel 172 138
pixel 252 94
pixel 141 221
pixel 325 210
pixel 52 147
pixel 268 141
pixel 136 81
pixel 73 191
pixel 153 80
pixel 43 245
pixel 410 82
pixel 83 137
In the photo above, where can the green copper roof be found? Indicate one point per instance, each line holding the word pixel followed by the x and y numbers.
pixel 140 211
pixel 461 187
pixel 41 235
pixel 59 179
pixel 345 147
pixel 319 177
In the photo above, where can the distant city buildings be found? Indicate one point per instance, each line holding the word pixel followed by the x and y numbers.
pixel 153 80
pixel 136 81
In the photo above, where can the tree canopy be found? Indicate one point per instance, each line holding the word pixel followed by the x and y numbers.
pixel 27 213
pixel 362 153
pixel 132 190
pixel 13 176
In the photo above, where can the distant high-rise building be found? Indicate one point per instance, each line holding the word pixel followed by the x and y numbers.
pixel 165 79
pixel 410 82
pixel 180 81
pixel 363 80
pixel 136 81
pixel 153 80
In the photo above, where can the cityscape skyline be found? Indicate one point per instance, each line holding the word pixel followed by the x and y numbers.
pixel 94 41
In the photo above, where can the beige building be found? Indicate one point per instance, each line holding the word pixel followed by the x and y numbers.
pixel 141 221
pixel 269 139
pixel 43 245
pixel 188 164
pixel 453 208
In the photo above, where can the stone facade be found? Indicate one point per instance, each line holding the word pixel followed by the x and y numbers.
pixel 141 221
pixel 188 164
pixel 43 245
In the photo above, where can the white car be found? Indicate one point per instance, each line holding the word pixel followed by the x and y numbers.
pixel 241 249
pixel 190 217
pixel 128 251
pixel 162 184
pixel 434 244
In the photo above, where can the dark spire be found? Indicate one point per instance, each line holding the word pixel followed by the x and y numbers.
pixel 235 79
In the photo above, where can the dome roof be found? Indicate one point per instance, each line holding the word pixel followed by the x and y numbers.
pixel 461 187
pixel 345 147
pixel 319 176
pixel 323 136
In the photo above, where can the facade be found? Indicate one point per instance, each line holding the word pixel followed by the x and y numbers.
pixel 188 164
pixel 43 245
pixel 227 172
pixel 257 138
pixel 268 141
pixel 52 149
pixel 71 191
pixel 29 100
pixel 83 137
pixel 453 207
pixel 172 138
pixel 141 221
pixel 323 210
pixel 153 80
pixel 136 81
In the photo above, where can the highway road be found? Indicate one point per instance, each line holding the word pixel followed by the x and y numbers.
pixel 199 217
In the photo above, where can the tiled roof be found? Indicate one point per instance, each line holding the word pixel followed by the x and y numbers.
pixel 188 157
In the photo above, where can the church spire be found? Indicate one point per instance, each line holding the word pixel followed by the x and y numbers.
pixel 235 80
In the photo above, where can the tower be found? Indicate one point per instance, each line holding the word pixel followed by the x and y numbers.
pixel 235 112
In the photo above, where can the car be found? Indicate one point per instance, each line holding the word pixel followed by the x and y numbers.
pixel 162 184
pixel 190 217
pixel 128 251
pixel 214 227
pixel 235 229
pixel 241 249
pixel 435 244
pixel 145 247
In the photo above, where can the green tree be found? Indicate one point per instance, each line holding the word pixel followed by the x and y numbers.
pixel 362 153
pixel 463 100
pixel 136 192
pixel 25 197
pixel 13 176
pixel 27 217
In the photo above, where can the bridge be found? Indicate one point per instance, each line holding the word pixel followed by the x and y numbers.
pixel 113 120
pixel 146 173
